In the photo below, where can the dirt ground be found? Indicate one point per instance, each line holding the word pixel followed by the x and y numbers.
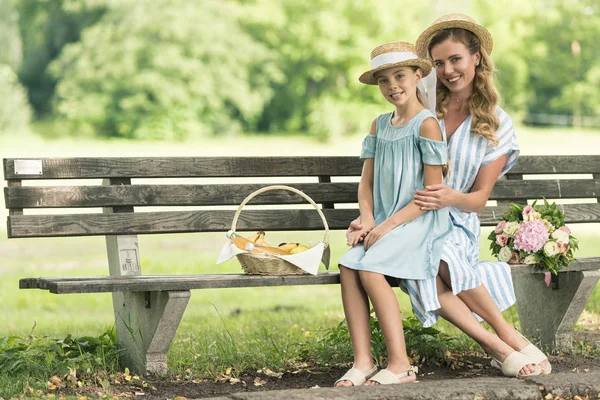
pixel 471 367
pixel 460 366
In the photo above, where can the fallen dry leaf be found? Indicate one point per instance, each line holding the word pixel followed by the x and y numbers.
pixel 259 381
pixel 55 380
pixel 180 398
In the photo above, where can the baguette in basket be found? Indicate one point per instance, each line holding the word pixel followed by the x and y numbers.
pixel 256 256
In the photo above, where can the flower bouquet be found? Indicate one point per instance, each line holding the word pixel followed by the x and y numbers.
pixel 534 235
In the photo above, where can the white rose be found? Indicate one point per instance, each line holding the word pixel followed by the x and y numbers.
pixel 561 237
pixel 551 249
pixel 504 254
pixel 510 228
pixel 548 225
pixel 530 259
pixel 532 216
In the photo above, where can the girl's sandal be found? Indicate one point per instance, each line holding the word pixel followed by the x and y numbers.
pixel 512 365
pixel 357 377
pixel 387 377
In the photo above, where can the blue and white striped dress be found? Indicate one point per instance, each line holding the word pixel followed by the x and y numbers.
pixel 467 153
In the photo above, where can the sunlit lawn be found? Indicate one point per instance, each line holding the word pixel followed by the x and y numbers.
pixel 306 308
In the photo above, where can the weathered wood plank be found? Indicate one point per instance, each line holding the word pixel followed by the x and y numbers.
pixel 574 164
pixel 173 195
pixel 139 167
pixel 229 194
pixel 174 282
pixel 220 221
pixel 550 189
pixel 144 283
pixel 161 167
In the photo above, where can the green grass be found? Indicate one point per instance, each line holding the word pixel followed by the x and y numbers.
pixel 237 328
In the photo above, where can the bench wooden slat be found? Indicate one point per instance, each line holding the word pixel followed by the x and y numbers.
pixel 549 189
pixel 173 195
pixel 572 164
pixel 234 194
pixel 176 282
pixel 220 221
pixel 145 283
pixel 140 167
pixel 182 167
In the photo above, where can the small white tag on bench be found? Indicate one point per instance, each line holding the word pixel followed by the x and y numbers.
pixel 28 167
pixel 130 261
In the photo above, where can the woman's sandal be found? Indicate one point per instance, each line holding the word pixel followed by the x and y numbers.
pixel 387 377
pixel 512 365
pixel 533 354
pixel 357 377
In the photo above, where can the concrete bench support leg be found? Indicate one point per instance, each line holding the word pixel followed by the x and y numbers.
pixel 146 324
pixel 550 315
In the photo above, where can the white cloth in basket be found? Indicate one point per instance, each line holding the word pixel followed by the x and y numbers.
pixel 308 260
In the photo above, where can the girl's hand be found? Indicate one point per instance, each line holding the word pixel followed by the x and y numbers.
pixel 435 197
pixel 357 232
pixel 377 233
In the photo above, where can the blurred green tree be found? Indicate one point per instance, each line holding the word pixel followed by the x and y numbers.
pixel 46 26
pixel 323 46
pixel 561 51
pixel 165 69
pixel 15 112
pixel 11 51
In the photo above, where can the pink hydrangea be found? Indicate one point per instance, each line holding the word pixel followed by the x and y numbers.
pixel 531 236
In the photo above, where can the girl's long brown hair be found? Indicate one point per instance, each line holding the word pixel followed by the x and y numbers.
pixel 485 97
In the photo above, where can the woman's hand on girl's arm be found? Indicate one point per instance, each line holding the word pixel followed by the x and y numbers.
pixel 436 197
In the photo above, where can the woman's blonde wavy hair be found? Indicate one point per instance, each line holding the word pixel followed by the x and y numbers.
pixel 485 97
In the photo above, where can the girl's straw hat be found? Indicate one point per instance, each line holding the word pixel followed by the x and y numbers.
pixel 394 54
pixel 453 21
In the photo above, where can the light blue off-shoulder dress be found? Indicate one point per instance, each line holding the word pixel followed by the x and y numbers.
pixel 412 250
pixel 468 152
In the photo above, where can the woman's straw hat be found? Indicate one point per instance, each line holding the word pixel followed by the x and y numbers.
pixel 454 21
pixel 394 54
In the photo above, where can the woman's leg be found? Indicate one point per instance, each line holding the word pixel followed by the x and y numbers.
pixel 388 314
pixel 456 311
pixel 481 303
pixel 356 309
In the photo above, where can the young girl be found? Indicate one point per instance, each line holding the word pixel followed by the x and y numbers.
pixel 403 152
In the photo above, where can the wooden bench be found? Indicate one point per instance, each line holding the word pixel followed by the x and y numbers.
pixel 148 309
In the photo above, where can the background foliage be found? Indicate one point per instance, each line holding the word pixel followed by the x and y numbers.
pixel 171 69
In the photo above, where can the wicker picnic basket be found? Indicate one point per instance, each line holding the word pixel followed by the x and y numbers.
pixel 266 263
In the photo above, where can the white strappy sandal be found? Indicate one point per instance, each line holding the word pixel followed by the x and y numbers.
pixel 357 377
pixel 512 365
pixel 387 377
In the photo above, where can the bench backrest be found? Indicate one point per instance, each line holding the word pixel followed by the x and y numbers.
pixel 117 185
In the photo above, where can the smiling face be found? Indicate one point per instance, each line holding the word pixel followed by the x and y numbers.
pixel 455 65
pixel 399 84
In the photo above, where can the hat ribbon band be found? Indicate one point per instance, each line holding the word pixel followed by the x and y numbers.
pixel 392 58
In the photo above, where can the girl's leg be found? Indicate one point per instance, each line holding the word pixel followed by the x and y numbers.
pixel 388 314
pixel 456 311
pixel 480 302
pixel 356 309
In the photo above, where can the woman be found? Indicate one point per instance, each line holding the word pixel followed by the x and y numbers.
pixel 482 147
